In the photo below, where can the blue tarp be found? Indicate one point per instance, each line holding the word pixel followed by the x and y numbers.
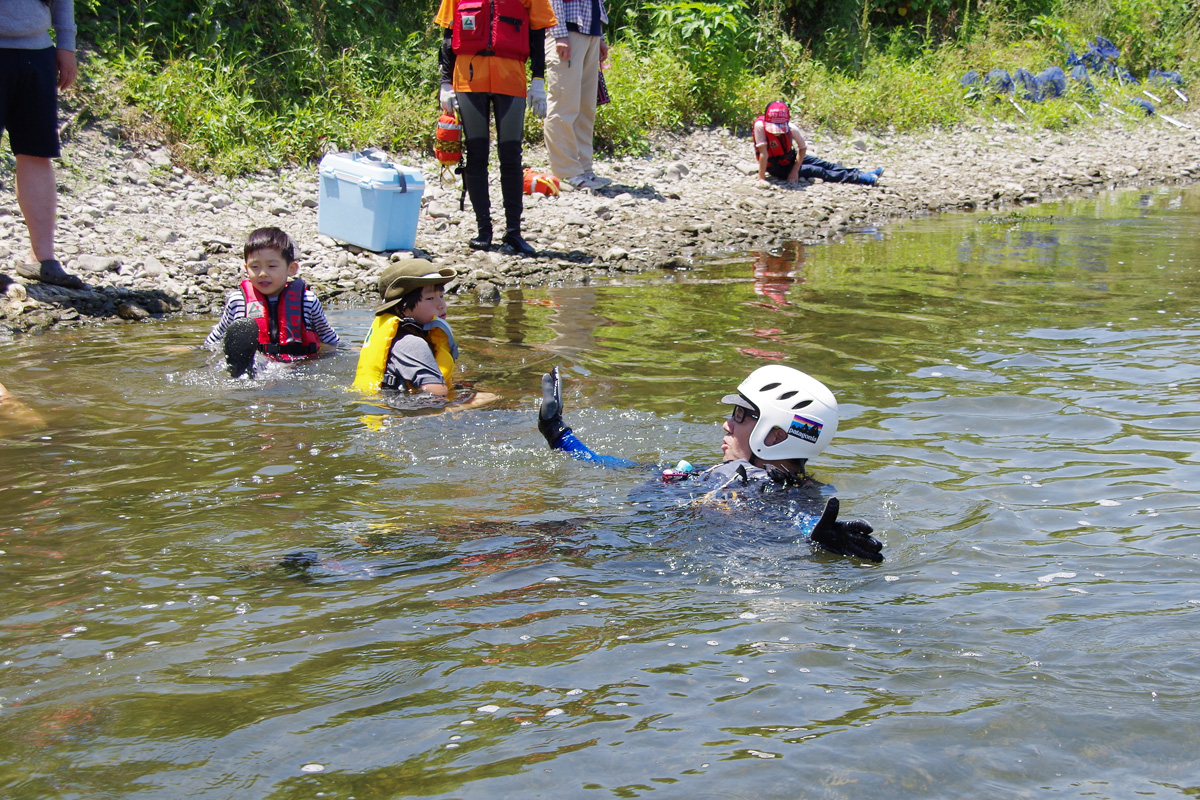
pixel 1165 78
pixel 998 80
pixel 1100 58
pixel 1079 74
pixel 1144 105
pixel 1030 89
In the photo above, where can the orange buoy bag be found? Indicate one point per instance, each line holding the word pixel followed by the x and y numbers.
pixel 447 143
pixel 542 183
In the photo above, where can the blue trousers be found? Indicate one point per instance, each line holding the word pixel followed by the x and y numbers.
pixel 813 168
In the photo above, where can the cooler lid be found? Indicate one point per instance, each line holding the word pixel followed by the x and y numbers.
pixel 370 168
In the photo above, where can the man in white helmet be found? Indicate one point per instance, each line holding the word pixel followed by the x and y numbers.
pixel 781 417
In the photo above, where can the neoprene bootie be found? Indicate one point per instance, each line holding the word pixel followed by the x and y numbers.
pixel 241 343
pixel 475 183
pixel 483 241
pixel 514 244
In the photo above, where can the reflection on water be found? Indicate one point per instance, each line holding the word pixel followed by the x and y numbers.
pixel 483 618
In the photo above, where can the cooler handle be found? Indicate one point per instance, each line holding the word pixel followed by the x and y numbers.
pixel 366 183
pixel 379 157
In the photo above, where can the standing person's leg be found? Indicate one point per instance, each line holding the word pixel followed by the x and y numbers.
pixel 510 130
pixel 29 110
pixel 473 109
pixel 563 95
pixel 587 50
pixel 37 196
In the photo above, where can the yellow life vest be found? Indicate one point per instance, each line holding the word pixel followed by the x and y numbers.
pixel 445 349
pixel 372 359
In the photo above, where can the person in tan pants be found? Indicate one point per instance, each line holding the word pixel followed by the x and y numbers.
pixel 575 49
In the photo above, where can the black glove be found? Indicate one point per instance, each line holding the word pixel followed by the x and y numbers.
pixel 850 538
pixel 241 343
pixel 550 416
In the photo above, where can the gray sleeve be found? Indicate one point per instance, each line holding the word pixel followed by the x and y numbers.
pixel 411 359
pixel 62 18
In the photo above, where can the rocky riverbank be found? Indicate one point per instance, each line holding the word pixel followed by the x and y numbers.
pixel 149 239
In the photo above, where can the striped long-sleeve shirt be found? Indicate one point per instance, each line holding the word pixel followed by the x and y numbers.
pixel 235 308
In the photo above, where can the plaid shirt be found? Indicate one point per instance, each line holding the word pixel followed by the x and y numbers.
pixel 581 14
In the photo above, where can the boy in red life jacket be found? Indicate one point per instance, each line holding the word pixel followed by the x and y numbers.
pixel 273 312
pixel 782 151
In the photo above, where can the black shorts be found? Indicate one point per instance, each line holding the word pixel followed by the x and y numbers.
pixel 29 101
pixel 783 166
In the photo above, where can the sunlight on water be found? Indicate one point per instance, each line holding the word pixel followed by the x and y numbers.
pixel 222 588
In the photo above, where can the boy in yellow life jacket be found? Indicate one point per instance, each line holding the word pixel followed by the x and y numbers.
pixel 410 346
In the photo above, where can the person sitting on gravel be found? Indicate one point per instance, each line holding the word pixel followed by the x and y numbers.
pixel 781 418
pixel 782 152
pixel 33 69
pixel 273 312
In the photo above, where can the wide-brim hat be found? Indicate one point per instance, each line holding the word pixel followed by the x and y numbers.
pixel 402 277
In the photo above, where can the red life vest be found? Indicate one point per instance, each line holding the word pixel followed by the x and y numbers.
pixel 780 151
pixel 282 337
pixel 491 28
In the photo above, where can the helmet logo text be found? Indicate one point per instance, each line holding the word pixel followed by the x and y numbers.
pixel 803 428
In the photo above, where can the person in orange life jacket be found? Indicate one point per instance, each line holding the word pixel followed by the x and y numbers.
pixel 273 312
pixel 782 152
pixel 781 418
pixel 484 49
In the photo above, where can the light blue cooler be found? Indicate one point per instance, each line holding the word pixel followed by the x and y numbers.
pixel 369 201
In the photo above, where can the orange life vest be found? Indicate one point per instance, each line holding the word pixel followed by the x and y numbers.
pixel 282 337
pixel 780 152
pixel 541 182
pixel 491 28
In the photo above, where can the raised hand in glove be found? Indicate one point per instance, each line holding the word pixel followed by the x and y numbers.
pixel 536 99
pixel 850 538
pixel 550 416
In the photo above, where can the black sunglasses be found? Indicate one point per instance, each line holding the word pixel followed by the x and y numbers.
pixel 740 413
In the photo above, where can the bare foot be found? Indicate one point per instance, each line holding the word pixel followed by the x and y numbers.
pixel 480 399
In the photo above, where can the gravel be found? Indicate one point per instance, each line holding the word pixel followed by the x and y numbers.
pixel 151 240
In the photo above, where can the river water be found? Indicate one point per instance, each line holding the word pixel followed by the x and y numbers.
pixel 486 619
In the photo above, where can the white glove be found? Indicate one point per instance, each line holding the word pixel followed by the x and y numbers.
pixel 536 99
pixel 447 98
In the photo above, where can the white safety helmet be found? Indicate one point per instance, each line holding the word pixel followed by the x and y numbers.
pixel 798 404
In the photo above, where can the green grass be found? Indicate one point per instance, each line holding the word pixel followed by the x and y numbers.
pixel 224 111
